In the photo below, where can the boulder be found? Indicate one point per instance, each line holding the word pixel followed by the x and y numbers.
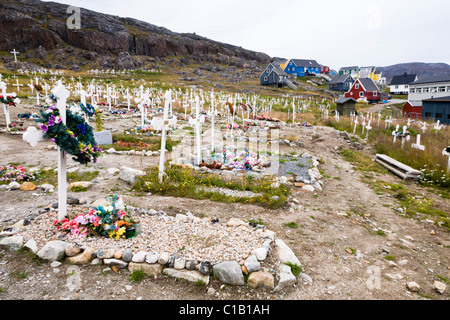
pixel 252 264
pixel 115 262
pixel 152 270
pixel 13 243
pixel 229 272
pixel 286 278
pixel 189 275
pixel 261 279
pixel 53 250
pixel 84 257
pixel 130 175
pixel 28 186
pixel 285 254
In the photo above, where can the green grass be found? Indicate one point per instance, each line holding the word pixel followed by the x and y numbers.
pixel 295 269
pixel 153 143
pixel 137 276
pixel 186 183
pixel 292 225
pixel 390 257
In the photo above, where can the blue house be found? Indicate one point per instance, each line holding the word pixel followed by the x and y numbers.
pixel 301 67
pixel 341 83
pixel 436 109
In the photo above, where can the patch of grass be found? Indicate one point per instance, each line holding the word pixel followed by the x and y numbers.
pixel 381 233
pixel 295 268
pixel 390 257
pixel 187 183
pixel 19 274
pixel 3 290
pixel 350 250
pixel 200 283
pixel 82 176
pixel 78 189
pixel 292 225
pixel 137 276
pixel 362 162
pixel 257 221
pixel 442 278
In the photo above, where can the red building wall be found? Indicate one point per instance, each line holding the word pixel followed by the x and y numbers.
pixel 409 111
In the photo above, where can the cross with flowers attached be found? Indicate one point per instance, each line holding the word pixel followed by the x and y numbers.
pixel 32 136
pixel 8 99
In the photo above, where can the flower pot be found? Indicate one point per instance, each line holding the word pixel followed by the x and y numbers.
pixel 137 227
pixel 130 233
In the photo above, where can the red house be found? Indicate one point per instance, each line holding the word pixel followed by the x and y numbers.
pixel 412 110
pixel 324 69
pixel 364 89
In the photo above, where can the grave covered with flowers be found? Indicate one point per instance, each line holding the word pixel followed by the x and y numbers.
pixel 111 221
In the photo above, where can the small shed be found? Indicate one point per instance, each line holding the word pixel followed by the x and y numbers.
pixel 346 106
pixel 412 109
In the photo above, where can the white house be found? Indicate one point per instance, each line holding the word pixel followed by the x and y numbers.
pixel 428 88
pixel 400 83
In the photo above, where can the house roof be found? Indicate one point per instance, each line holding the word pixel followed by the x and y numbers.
pixel 279 70
pixel 415 103
pixel 403 79
pixel 349 68
pixel 339 78
pixel 343 99
pixel 368 84
pixel 433 79
pixel 440 99
pixel 306 63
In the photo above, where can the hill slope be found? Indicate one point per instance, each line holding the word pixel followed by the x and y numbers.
pixel 109 41
pixel 421 69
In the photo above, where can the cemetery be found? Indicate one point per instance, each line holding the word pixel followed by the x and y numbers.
pixel 213 189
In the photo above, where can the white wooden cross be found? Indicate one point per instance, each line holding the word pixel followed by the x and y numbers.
pixel 15 53
pixel 6 106
pixel 394 133
pixel 417 144
pixel 368 127
pixel 18 85
pixel 447 153
pixel 409 122
pixel 387 122
pixel 363 125
pixel 356 123
pixel 424 127
pixel 197 129
pixel 404 135
pixel 33 136
pixel 438 126
pixel 164 135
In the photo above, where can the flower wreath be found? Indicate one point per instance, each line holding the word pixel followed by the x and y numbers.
pixel 76 138
pixel 9 100
pixel 88 109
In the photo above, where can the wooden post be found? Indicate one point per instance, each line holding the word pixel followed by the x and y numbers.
pixel 197 129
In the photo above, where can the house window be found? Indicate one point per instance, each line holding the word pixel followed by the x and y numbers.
pixel 438 115
pixel 396 87
pixel 433 89
pixel 357 86
pixel 265 78
pixel 406 86
pixel 419 90
pixel 441 89
pixel 346 84
pixel 426 90
pixel 361 94
pixel 375 93
pixel 427 114
pixel 412 90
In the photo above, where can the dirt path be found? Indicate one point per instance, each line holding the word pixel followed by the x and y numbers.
pixel 343 256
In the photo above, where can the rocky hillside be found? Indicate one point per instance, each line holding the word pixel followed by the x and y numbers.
pixel 39 31
pixel 421 69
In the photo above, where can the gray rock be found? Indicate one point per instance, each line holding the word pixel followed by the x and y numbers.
pixel 260 253
pixel 53 250
pixel 439 287
pixel 163 258
pixel 115 262
pixel 152 257
pixel 14 185
pixel 13 243
pixel 127 255
pixel 191 264
pixel 285 254
pixel 104 254
pixel 180 262
pixel 139 257
pixel 171 262
pixel 286 278
pixel 229 272
pixel 32 246
pixel 205 267
pixel 412 286
pixel 189 275
pixel 130 175
pixel 252 264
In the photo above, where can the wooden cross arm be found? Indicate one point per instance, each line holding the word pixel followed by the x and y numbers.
pixel 32 136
